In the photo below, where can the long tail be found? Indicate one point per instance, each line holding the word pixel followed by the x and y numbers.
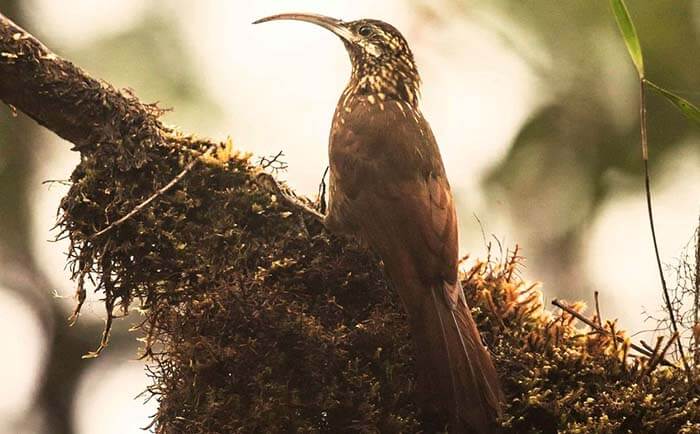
pixel 457 371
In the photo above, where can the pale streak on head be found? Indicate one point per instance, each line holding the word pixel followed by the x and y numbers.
pixel 372 50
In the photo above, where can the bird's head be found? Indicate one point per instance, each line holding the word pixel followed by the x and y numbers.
pixel 382 62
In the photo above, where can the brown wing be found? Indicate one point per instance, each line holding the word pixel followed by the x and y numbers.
pixel 389 185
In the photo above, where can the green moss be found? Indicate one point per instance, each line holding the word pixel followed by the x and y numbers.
pixel 256 320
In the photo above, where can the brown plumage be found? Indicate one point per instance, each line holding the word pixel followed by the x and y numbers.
pixel 388 187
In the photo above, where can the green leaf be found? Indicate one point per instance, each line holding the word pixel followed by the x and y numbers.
pixel 685 106
pixel 629 33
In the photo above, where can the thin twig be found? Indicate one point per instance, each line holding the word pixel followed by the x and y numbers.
pixel 481 226
pixel 650 210
pixel 696 302
pixel 603 331
pixel 269 183
pixel 655 361
pixel 646 345
pixel 155 195
pixel 613 333
pixel 80 294
pixel 597 309
pixel 655 352
pixel 510 263
pixel 274 163
pixel 108 285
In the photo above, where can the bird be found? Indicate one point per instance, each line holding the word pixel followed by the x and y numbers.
pixel 388 188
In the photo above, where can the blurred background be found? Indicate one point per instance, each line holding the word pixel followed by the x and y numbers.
pixel 534 105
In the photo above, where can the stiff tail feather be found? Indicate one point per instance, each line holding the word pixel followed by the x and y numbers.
pixel 476 394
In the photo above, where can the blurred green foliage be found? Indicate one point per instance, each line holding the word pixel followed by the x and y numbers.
pixel 574 149
pixel 151 58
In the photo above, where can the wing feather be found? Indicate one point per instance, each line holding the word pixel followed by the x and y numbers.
pixel 390 183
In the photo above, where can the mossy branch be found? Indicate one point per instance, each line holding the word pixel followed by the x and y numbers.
pixel 64 99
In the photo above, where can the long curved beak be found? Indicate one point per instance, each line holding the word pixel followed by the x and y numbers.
pixel 334 25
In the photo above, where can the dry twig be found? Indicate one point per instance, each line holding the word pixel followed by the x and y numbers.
pixel 155 195
pixel 696 301
pixel 597 309
pixel 603 331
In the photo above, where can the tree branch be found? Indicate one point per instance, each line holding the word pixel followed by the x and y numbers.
pixel 63 98
pixel 98 119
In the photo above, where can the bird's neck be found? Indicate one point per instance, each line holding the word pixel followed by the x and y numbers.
pixel 385 81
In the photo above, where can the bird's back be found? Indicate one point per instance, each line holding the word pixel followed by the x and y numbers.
pixel 389 185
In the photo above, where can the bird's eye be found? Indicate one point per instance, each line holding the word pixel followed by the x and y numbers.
pixel 364 31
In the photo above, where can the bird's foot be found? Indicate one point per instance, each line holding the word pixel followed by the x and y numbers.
pixel 283 194
pixel 322 205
